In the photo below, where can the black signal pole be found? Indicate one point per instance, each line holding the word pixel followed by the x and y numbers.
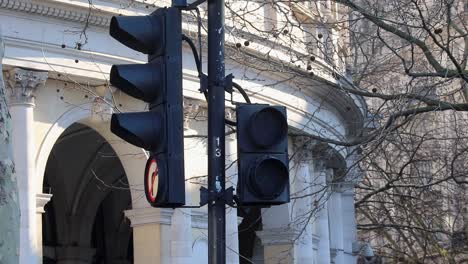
pixel 216 144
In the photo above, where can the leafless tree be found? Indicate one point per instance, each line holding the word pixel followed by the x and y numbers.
pixel 408 59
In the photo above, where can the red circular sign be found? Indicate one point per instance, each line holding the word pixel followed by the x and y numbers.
pixel 151 179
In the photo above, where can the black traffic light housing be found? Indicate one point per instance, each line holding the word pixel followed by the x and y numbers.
pixel 262 146
pixel 159 83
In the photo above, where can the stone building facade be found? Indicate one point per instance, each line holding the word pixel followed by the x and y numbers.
pixel 81 187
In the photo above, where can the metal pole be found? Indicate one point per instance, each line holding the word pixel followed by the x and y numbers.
pixel 216 137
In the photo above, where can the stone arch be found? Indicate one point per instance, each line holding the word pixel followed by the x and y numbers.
pixel 90 194
pixel 132 158
pixel 331 158
pixel 63 122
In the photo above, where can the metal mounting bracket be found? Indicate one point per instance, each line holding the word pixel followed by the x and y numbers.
pixel 207 196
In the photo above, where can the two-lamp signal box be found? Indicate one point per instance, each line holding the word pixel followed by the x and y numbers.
pixel 159 83
pixel 262 147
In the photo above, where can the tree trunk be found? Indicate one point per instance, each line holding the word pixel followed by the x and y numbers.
pixel 9 206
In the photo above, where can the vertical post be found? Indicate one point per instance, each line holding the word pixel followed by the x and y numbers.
pixel 216 137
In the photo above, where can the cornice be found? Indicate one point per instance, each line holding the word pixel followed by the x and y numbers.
pixel 149 215
pixel 65 12
pixel 278 236
pixel 304 14
pixel 199 219
pixel 101 11
pixel 326 84
pixel 315 240
pixel 98 13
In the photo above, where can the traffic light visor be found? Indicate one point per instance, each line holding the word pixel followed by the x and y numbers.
pixel 142 129
pixel 142 81
pixel 141 33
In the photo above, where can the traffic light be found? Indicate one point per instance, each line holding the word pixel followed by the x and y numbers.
pixel 159 83
pixel 262 146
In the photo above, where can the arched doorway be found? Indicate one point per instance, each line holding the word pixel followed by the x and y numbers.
pixel 84 222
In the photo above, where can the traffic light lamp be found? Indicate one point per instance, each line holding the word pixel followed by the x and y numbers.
pixel 262 145
pixel 159 83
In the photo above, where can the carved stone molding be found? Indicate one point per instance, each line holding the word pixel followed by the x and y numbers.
pixel 56 11
pixel 191 111
pixel 355 173
pixel 199 219
pixel 315 241
pixel 230 113
pixel 41 200
pixel 22 84
pixel 101 109
pixel 346 188
pixel 149 215
pixel 278 236
pixel 304 147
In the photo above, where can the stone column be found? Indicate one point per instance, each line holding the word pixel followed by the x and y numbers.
pixel 335 216
pixel 232 233
pixel 181 223
pixel 181 237
pixel 21 86
pixel 148 234
pixel 321 229
pixel 41 200
pixel 349 222
pixel 302 210
pixel 278 245
pixel 353 177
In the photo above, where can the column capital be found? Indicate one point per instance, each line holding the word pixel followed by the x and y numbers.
pixel 101 109
pixel 304 147
pixel 22 84
pixel 346 188
pixel 192 110
pixel 41 200
pixel 230 113
pixel 278 236
pixel 199 219
pixel 149 215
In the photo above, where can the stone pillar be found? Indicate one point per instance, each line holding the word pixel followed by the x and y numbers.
pixel 232 233
pixel 278 245
pixel 349 222
pixel 148 232
pixel 353 177
pixel 302 210
pixel 21 86
pixel 181 223
pixel 181 237
pixel 335 216
pixel 321 229
pixel 41 200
